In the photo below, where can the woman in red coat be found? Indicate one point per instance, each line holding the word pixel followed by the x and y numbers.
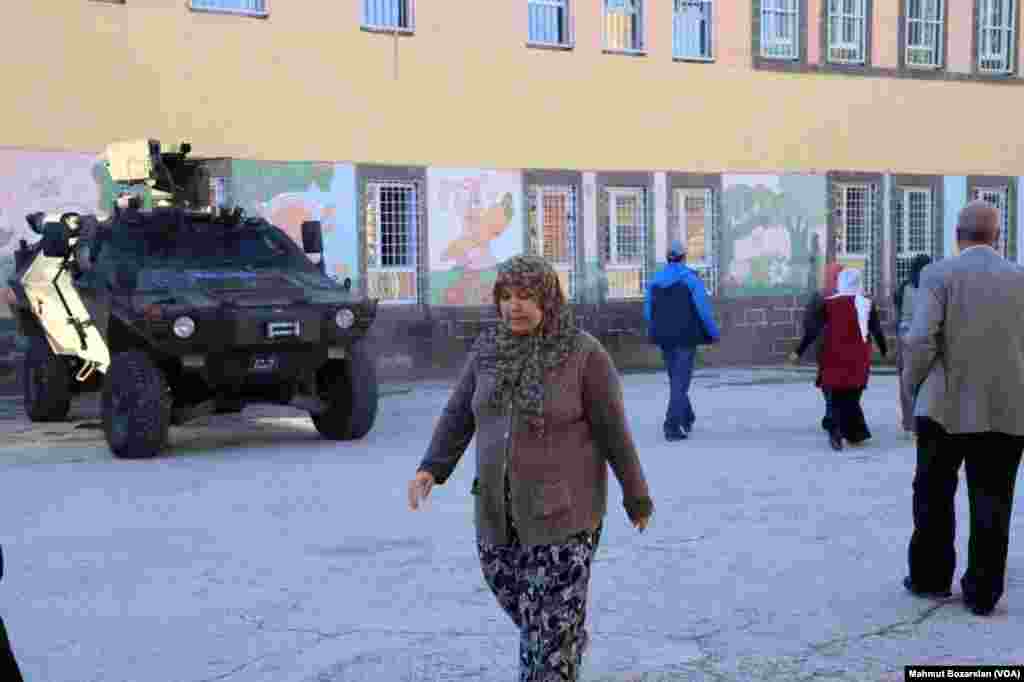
pixel 847 321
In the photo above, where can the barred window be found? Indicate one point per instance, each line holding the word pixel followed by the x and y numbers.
pixel 626 243
pixel 696 211
pixel 624 25
pixel 915 228
pixel 692 29
pixel 254 7
pixel 389 14
pixel 780 29
pixel 854 236
pixel 847 31
pixel 997 196
pixel 549 22
pixel 996 23
pixel 556 215
pixel 391 231
pixel 924 33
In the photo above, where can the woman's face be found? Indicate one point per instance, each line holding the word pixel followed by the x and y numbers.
pixel 521 312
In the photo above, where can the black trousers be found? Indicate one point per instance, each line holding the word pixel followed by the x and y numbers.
pixel 847 415
pixel 9 671
pixel 991 461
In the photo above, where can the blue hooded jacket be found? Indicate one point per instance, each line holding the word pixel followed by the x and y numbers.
pixel 678 310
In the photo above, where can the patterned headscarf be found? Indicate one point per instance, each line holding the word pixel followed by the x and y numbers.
pixel 521 360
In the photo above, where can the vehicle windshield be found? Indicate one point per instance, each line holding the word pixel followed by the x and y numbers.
pixel 210 247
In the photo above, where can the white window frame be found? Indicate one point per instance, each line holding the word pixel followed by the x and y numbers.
pixel 258 8
pixel 902 237
pixel 925 26
pixel 1001 198
pixel 613 262
pixel 373 190
pixel 840 50
pixel 397 27
pixel 844 227
pixel 687 31
pixel 773 14
pixel 567 23
pixel 571 222
pixel 640 15
pixel 1003 58
pixel 707 268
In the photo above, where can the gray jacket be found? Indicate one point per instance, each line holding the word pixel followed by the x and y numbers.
pixel 559 479
pixel 965 348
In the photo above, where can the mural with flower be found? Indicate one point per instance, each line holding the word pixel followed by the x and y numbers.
pixel 773 234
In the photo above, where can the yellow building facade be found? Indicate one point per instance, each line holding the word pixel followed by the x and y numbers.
pixel 436 137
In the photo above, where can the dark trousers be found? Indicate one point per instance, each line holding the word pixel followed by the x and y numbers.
pixel 991 461
pixel 847 415
pixel 9 671
pixel 679 361
pixel 827 421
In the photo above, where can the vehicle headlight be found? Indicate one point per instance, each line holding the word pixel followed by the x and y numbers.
pixel 345 318
pixel 184 327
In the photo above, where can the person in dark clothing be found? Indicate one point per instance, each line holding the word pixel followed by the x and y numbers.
pixel 812 312
pixel 904 299
pixel 848 321
pixel 9 671
pixel 679 319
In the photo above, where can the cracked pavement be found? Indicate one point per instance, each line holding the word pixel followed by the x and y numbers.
pixel 253 551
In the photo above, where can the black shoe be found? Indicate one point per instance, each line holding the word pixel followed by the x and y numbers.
pixel 918 592
pixel 977 609
pixel 675 434
pixel 835 440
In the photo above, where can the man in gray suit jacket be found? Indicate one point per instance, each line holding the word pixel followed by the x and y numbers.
pixel 965 357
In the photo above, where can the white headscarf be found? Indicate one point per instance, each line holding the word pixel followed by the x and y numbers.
pixel 850 284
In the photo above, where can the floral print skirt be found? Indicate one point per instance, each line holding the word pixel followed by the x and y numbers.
pixel 543 589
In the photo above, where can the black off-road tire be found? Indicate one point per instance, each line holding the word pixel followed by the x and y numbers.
pixel 136 406
pixel 349 387
pixel 46 383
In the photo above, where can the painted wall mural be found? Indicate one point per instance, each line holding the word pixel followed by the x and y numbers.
pixel 772 226
pixel 475 222
pixel 289 193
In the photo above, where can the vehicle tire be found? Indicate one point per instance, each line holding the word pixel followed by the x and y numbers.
pixel 46 383
pixel 351 393
pixel 136 406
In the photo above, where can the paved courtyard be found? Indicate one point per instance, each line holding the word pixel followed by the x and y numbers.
pixel 253 551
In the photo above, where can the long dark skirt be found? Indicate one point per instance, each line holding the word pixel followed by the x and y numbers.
pixel 847 415
pixel 543 589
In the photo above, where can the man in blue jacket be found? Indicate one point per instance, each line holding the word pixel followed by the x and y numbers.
pixel 679 319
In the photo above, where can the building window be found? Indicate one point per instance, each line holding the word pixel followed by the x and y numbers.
pixel 695 209
pixel 915 227
pixel 392 211
pixel 692 29
pixel 624 25
pixel 924 33
pixel 847 31
pixel 626 243
pixel 388 14
pixel 780 29
pixel 253 7
pixel 549 22
pixel 996 35
pixel 553 219
pixel 854 235
pixel 997 196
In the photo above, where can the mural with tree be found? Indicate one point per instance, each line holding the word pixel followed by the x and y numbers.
pixel 773 234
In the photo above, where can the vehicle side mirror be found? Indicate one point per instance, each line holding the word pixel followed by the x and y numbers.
pixel 55 240
pixel 312 237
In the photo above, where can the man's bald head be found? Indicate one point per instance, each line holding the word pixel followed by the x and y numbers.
pixel 978 223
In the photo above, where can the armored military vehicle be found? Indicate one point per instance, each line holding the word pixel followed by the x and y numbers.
pixel 182 309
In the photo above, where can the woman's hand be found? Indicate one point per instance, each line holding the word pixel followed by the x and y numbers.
pixel 641 523
pixel 419 488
